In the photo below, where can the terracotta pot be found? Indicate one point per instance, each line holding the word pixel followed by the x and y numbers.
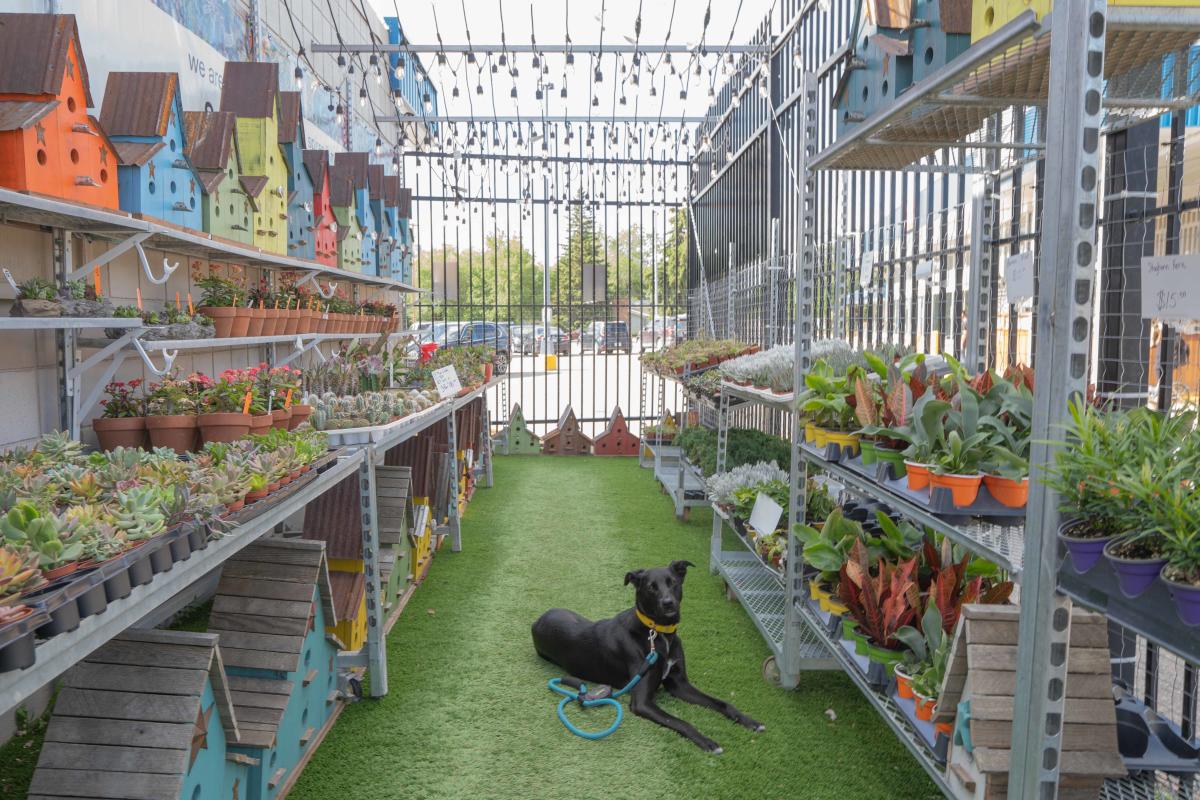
pixel 222 317
pixel 120 432
pixel 280 418
pixel 294 319
pixel 488 368
pixel 323 322
pixel 270 320
pixel 241 322
pixel 260 424
pixel 176 431
pixel 294 474
pixel 1006 491
pixel 285 480
pixel 300 412
pixel 254 497
pixel 226 426
pixel 258 321
pixel 235 506
pixel 314 321
pixel 274 487
pixel 918 475
pixel 60 571
pixel 963 488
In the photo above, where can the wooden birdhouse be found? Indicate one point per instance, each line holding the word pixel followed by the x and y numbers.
pixel 301 209
pixel 387 221
pixel 143 116
pixel 335 518
pixel 566 439
pixel 355 167
pixel 344 200
pixel 211 146
pixel 251 91
pixel 616 439
pixel 516 439
pixel 325 233
pixel 943 34
pixel 271 611
pixel 149 714
pixel 978 697
pixel 48 143
pixel 393 504
pixel 379 217
pixel 350 603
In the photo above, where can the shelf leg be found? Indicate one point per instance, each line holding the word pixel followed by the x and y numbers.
pixel 452 516
pixel 376 657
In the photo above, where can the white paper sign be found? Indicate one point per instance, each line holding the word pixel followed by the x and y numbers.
pixel 446 380
pixel 866 267
pixel 765 516
pixel 1171 287
pixel 1018 276
pixel 924 269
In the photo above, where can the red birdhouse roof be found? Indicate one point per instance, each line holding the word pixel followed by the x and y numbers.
pixel 33 53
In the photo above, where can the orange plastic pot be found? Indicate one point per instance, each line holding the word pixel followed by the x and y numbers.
pixel 924 706
pixel 1006 491
pixel 963 488
pixel 918 475
pixel 903 682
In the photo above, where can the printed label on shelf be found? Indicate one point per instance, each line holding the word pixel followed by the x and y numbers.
pixel 765 516
pixel 866 268
pixel 446 380
pixel 1171 287
pixel 1018 276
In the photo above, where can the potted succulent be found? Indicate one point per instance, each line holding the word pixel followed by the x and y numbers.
pixel 222 303
pixel 25 525
pixel 79 299
pixel 171 414
pixel 222 416
pixel 123 420
pixel 19 573
pixel 37 297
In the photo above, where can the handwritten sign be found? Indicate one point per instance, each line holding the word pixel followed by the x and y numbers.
pixel 765 516
pixel 1018 276
pixel 446 380
pixel 1171 287
pixel 866 268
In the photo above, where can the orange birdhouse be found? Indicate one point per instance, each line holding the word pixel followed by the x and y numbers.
pixel 48 143
pixel 616 440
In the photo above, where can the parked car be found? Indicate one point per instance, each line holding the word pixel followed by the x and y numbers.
pixel 660 333
pixel 606 337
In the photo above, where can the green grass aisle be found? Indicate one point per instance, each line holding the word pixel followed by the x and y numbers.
pixel 469 714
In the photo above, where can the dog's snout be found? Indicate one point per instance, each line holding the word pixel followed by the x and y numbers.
pixel 668 603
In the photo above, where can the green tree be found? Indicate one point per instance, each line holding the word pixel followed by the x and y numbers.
pixel 672 265
pixel 503 282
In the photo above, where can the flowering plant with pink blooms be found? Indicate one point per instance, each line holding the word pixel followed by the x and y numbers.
pixel 122 401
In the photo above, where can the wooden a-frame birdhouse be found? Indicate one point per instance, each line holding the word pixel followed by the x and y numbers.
pixel 567 438
pixel 616 438
pixel 516 439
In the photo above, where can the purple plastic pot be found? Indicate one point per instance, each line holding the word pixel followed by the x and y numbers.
pixel 1134 575
pixel 1187 600
pixel 1084 552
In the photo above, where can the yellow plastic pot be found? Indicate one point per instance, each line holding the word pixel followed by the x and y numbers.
pixel 847 441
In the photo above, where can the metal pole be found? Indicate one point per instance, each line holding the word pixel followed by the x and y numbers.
pixel 452 520
pixel 1065 293
pixel 546 272
pixel 376 657
pixel 644 48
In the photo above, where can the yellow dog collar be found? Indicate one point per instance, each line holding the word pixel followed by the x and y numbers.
pixel 652 625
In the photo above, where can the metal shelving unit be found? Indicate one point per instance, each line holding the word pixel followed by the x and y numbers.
pixel 1100 69
pixel 65 323
pixel 56 655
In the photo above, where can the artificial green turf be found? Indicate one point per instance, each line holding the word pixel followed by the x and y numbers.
pixel 469 715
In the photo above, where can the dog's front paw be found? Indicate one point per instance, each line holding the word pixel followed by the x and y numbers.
pixel 753 724
pixel 709 746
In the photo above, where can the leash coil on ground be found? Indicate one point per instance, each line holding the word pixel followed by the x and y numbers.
pixel 581 696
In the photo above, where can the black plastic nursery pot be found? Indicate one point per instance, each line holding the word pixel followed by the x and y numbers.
pixel 17 640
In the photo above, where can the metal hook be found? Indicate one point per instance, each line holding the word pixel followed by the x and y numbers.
pixel 168 356
pixel 326 293
pixel 168 269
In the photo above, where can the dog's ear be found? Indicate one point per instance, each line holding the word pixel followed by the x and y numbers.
pixel 680 567
pixel 635 577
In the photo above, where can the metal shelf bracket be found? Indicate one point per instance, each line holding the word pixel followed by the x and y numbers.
pixel 168 268
pixel 108 255
pixel 168 359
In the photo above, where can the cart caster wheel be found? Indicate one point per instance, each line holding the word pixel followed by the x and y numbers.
pixel 770 671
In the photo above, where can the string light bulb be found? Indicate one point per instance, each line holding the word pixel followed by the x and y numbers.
pixel 340 114
pixel 362 97
pixel 399 70
pixel 299 73
pixel 428 103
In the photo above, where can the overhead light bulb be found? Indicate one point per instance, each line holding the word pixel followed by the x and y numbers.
pixel 362 97
pixel 571 60
pixel 798 59
pixel 479 88
pixel 513 93
pixel 378 76
pixel 340 114
pixel 341 60
pixel 428 103
pixel 399 71
pixel 378 146
pixel 598 77
pixel 299 73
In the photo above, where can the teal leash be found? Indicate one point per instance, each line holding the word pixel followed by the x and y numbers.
pixel 581 697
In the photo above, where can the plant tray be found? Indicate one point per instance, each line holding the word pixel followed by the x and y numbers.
pixel 75 597
pixel 877 675
pixel 935 500
pixel 1148 741
pixel 938 743
pixel 17 640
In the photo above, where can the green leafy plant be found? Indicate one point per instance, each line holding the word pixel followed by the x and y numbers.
pixel 126 312
pixel 220 292
pixel 37 289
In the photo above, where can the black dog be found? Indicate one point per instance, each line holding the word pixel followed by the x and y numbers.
pixel 612 651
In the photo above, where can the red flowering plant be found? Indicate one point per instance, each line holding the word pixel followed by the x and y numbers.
pixel 228 393
pixel 123 401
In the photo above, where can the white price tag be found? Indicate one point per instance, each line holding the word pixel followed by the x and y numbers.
pixel 866 268
pixel 924 270
pixel 1171 287
pixel 446 380
pixel 765 516
pixel 1018 276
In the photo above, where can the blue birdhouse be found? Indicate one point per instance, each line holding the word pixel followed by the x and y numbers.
pixel 941 33
pixel 143 117
pixel 355 169
pixel 301 212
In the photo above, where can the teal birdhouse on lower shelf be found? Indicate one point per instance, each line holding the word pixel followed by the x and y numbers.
pixel 941 33
pixel 516 439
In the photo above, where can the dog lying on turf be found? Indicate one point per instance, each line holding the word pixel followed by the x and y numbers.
pixel 612 651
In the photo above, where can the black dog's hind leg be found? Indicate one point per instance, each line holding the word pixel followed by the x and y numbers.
pixel 641 702
pixel 677 684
